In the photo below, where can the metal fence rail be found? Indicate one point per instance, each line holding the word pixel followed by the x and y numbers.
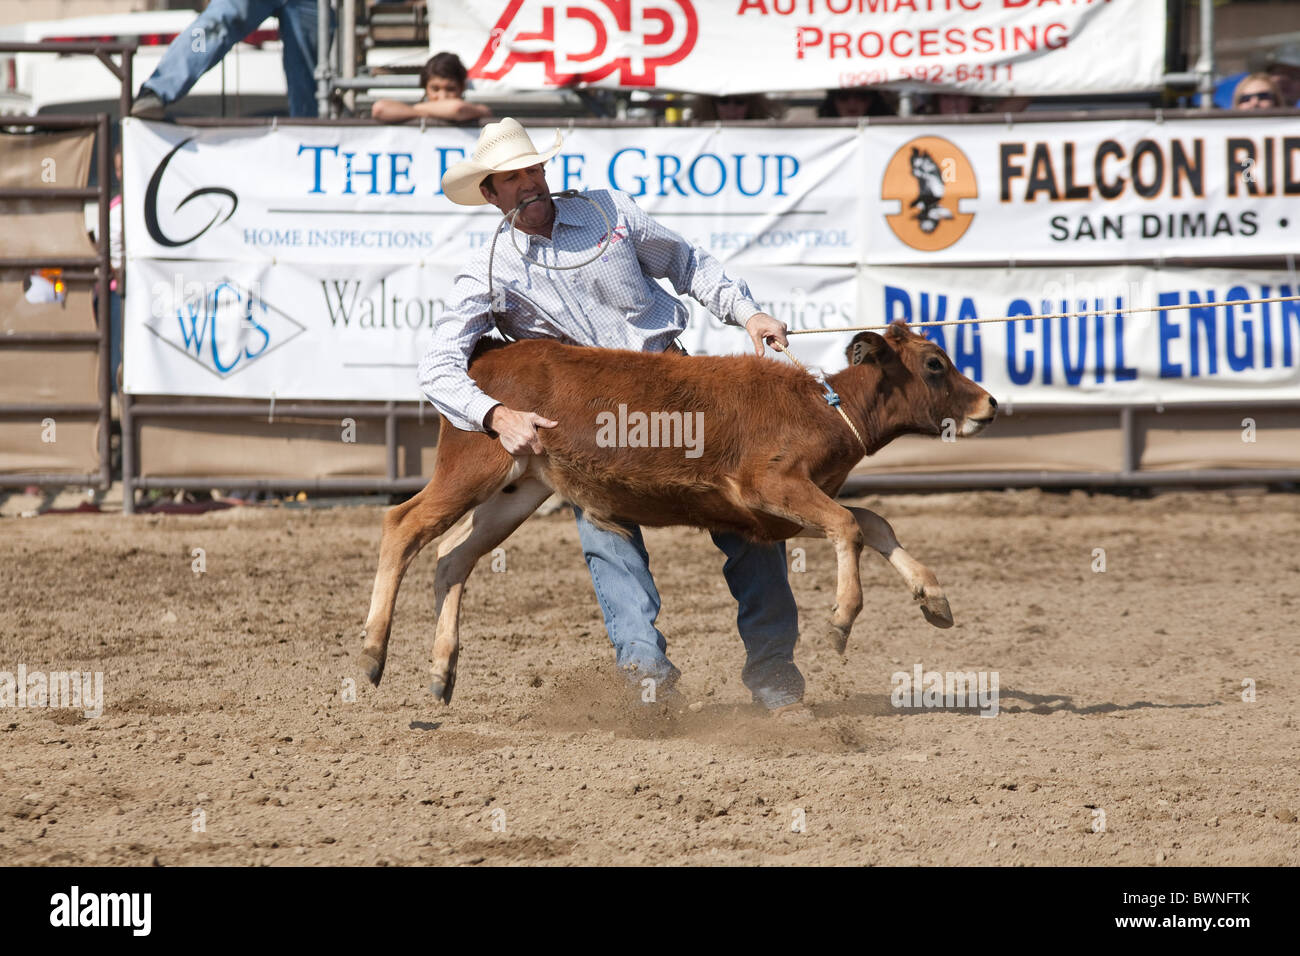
pixel 97 268
pixel 135 410
pixel 102 267
pixel 1129 474
pixel 102 51
pixel 986 480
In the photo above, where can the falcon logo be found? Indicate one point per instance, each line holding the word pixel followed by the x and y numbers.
pixel 929 177
pixel 593 39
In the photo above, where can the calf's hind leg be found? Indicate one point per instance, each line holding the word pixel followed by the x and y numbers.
pixel 487 526
pixel 467 472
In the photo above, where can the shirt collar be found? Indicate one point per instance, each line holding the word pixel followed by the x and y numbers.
pixel 568 212
pixel 572 212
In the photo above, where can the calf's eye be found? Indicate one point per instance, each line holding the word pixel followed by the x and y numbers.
pixel 934 364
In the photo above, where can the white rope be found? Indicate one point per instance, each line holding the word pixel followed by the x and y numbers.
pixel 510 218
pixel 566 194
pixel 836 404
pixel 1058 315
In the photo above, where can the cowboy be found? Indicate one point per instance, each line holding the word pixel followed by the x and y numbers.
pixel 528 287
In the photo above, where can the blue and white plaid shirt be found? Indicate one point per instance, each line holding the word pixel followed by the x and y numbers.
pixel 611 303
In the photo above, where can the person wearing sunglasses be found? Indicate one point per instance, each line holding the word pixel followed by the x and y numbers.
pixel 1256 91
pixel 1283 66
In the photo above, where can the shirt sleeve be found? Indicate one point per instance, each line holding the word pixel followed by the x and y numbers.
pixel 444 376
pixel 665 254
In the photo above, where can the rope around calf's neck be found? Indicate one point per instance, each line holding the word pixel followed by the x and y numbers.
pixel 832 399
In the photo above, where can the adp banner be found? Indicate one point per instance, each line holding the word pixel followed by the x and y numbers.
pixel 1205 353
pixel 374 194
pixel 1106 190
pixel 994 47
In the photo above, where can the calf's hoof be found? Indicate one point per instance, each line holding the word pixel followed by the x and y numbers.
pixel 371 666
pixel 441 689
pixel 839 637
pixel 936 610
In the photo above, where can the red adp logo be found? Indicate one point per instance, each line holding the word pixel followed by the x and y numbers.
pixel 583 41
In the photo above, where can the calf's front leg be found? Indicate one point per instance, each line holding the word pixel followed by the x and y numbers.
pixel 803 503
pixel 925 587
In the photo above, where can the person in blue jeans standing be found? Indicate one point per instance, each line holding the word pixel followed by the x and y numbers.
pixel 201 45
pixel 610 302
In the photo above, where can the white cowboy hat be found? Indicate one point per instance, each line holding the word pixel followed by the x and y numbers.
pixel 501 147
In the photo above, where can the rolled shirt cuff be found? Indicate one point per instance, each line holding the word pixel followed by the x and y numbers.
pixel 743 311
pixel 478 409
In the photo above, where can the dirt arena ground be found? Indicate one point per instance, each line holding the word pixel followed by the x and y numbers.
pixel 225 697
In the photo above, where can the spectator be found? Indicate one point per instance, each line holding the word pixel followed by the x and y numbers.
pixel 752 106
pixel 1282 65
pixel 955 104
pixel 201 46
pixel 1256 91
pixel 950 104
pixel 852 101
pixel 443 79
pixel 1006 104
pixel 1284 68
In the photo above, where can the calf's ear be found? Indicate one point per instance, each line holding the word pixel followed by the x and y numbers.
pixel 865 347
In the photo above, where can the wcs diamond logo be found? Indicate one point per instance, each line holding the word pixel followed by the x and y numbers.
pixel 222 326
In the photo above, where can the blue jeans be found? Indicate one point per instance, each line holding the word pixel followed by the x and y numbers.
pixel 767 617
pixel 223 24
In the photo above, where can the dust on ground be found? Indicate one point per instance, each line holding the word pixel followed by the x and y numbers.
pixel 1122 735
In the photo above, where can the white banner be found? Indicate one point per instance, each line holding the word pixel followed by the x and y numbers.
pixel 313 262
pixel 339 331
pixel 1228 352
pixel 1087 191
pixel 257 330
pixel 1109 190
pixel 803 297
pixel 334 331
pixel 987 47
pixel 374 194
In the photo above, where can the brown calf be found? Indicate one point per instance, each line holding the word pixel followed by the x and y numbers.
pixel 772 456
